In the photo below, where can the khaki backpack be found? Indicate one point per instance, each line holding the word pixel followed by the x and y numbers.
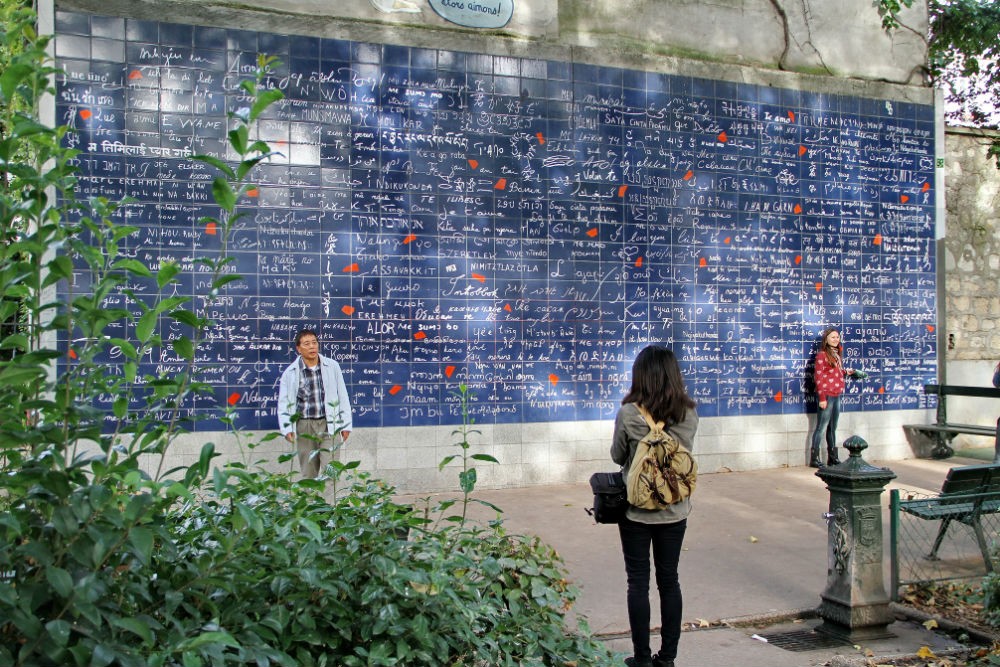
pixel 663 472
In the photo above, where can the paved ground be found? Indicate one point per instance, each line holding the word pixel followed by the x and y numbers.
pixel 755 552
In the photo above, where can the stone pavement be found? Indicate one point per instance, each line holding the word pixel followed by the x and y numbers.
pixel 754 563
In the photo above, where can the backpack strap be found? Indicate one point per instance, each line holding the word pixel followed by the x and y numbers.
pixel 649 418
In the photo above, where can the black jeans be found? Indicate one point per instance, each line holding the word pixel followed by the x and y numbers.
pixel 666 540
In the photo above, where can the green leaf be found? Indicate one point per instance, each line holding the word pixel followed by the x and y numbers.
pixel 19 375
pixel 141 540
pixel 250 518
pixel 484 457
pixel 60 581
pixel 312 528
pixel 102 656
pixel 205 457
pixel 10 521
pixel 59 631
pixel 27 127
pixel 223 194
pixel 144 328
pixel 264 100
pixel 171 303
pixel 166 273
pixel 484 503
pixel 217 163
pixel 238 139
pixel 177 490
pixel 12 77
pixel 249 163
pixel 133 266
pixel 446 460
pixel 126 347
pixel 467 480
pixel 184 348
pixel 15 342
pixel 135 626
pixel 207 638
pixel 186 317
pixel 61 267
pixel 225 279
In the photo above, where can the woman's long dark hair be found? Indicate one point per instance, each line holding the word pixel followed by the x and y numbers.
pixel 658 386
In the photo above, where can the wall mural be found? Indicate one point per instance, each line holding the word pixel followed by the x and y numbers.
pixel 522 226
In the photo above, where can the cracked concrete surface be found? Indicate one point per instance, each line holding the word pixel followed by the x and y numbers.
pixel 843 39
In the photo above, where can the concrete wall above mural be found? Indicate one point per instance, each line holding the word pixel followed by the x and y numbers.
pixel 841 39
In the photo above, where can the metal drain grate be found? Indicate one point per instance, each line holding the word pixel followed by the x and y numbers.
pixel 803 640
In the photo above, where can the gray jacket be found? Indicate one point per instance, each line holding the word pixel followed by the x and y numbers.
pixel 630 428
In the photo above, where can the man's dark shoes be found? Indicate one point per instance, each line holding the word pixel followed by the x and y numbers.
pixel 815 464
pixel 632 661
pixel 662 662
pixel 832 461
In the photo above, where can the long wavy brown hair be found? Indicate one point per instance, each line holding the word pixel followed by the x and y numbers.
pixel 658 386
pixel 833 357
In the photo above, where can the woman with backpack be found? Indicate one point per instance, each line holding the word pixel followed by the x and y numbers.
pixel 829 374
pixel 658 386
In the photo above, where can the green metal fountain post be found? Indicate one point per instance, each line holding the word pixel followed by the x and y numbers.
pixel 855 605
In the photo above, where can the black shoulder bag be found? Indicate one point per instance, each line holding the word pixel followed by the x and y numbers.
pixel 610 501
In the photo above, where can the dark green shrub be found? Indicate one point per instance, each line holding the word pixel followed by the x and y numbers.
pixel 361 581
pixel 991 599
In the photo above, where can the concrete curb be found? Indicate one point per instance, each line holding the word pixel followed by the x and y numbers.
pixel 773 618
pixel 921 617
pixel 901 612
pixel 770 618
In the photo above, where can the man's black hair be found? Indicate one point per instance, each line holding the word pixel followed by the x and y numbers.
pixel 302 334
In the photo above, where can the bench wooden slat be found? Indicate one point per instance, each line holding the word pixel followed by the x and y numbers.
pixel 982 478
pixel 959 511
pixel 961 390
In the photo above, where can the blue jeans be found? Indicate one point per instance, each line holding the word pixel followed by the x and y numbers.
pixel 666 540
pixel 826 424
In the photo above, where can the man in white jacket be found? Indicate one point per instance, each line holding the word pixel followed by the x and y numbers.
pixel 313 405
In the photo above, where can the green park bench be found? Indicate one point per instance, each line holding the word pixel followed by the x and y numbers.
pixel 968 493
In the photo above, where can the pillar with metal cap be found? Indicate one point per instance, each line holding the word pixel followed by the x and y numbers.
pixel 855 605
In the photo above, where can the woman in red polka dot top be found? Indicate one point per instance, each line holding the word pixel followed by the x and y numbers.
pixel 829 374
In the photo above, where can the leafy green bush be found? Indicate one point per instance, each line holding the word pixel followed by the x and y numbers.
pixel 103 563
pixel 361 581
pixel 991 599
